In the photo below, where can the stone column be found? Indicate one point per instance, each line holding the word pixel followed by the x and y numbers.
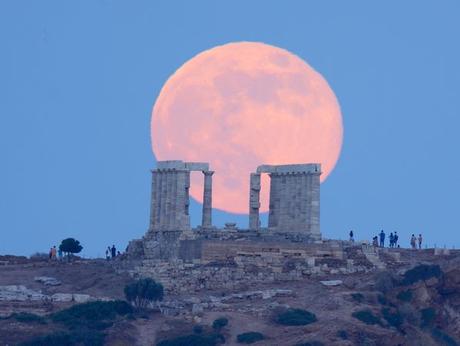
pixel 207 200
pixel 254 200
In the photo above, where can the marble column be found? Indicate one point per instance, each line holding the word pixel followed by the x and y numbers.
pixel 254 201
pixel 207 200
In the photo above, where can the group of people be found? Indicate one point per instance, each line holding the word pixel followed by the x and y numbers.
pixel 55 254
pixel 379 240
pixel 111 252
pixel 413 241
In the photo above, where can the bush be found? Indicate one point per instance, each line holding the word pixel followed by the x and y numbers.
pixel 443 338
pixel 93 315
pixel 198 329
pixel 311 343
pixel 220 323
pixel 143 292
pixel 295 317
pixel 27 317
pixel 358 297
pixel 428 317
pixel 342 334
pixel 70 245
pixel 86 338
pixel 249 337
pixel 421 272
pixel 385 281
pixel 394 319
pixel 382 299
pixel 366 316
pixel 405 296
pixel 194 340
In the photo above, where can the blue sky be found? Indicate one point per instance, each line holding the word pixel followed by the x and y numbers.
pixel 78 80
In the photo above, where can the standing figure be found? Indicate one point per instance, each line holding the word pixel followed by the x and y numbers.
pixel 352 239
pixel 420 241
pixel 107 253
pixel 53 252
pixel 395 239
pixel 114 251
pixel 412 241
pixel 375 241
pixel 392 239
pixel 382 238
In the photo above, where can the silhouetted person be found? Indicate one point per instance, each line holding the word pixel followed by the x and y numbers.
pixel 107 253
pixel 351 236
pixel 395 239
pixel 392 239
pixel 382 238
pixel 420 241
pixel 413 239
pixel 375 241
pixel 114 251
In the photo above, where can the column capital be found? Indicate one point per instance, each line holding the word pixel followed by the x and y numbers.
pixel 208 172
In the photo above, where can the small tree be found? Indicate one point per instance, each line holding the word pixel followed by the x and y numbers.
pixel 70 245
pixel 143 292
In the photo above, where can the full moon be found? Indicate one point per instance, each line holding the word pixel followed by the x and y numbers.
pixel 241 105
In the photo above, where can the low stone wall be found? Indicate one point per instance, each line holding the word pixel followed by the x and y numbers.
pixel 241 271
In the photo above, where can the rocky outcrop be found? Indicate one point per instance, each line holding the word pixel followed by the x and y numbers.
pixel 21 293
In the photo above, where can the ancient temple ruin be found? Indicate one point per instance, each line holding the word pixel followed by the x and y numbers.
pixel 290 247
pixel 294 198
pixel 169 208
pixel 294 211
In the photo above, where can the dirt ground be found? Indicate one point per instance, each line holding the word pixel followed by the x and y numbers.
pixel 333 307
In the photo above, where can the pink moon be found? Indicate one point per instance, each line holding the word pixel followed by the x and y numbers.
pixel 241 105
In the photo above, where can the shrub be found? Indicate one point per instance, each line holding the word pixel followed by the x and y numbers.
pixel 394 319
pixel 93 315
pixel 249 337
pixel 421 272
pixel 143 292
pixel 358 297
pixel 428 317
pixel 342 334
pixel 220 323
pixel 384 281
pixel 70 245
pixel 311 343
pixel 405 296
pixel 69 339
pixel 295 317
pixel 27 317
pixel 382 299
pixel 198 329
pixel 443 338
pixel 194 340
pixel 366 316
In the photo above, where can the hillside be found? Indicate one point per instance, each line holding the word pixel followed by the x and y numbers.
pixel 393 306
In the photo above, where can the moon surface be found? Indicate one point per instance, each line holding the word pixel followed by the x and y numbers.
pixel 241 105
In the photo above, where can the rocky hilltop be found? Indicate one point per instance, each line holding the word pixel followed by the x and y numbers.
pixel 412 298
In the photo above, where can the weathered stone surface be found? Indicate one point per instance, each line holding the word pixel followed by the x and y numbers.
pixel 332 282
pixel 48 281
pixel 19 293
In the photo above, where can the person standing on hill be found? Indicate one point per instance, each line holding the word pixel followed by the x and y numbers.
pixel 53 252
pixel 412 241
pixel 107 253
pixel 395 239
pixel 420 241
pixel 382 238
pixel 114 251
pixel 392 239
pixel 352 239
